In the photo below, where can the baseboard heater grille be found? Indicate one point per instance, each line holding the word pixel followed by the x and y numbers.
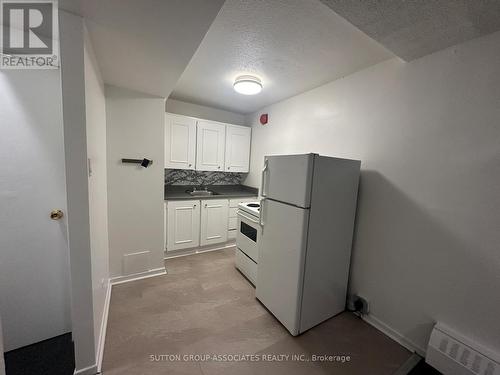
pixel 453 354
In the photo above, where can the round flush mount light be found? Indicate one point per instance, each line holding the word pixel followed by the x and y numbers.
pixel 247 85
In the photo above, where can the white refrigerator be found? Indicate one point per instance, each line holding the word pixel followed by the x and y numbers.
pixel 307 216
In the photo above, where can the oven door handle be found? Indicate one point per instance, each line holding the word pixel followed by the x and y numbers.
pixel 248 218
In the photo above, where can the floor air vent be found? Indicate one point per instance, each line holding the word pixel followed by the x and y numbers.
pixel 453 354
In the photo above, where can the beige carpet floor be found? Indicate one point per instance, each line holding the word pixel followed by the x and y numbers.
pixel 204 306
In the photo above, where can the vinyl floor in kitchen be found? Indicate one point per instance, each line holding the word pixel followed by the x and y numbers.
pixel 204 306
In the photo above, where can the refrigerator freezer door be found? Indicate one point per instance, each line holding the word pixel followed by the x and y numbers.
pixel 288 178
pixel 281 261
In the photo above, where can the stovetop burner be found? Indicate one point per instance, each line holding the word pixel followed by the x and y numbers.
pixel 252 208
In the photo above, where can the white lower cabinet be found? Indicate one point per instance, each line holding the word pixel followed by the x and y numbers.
pixel 194 223
pixel 214 221
pixel 232 222
pixel 183 224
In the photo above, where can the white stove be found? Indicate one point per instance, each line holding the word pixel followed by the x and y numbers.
pixel 252 208
pixel 247 239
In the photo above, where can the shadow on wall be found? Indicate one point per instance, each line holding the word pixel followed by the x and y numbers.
pixel 415 271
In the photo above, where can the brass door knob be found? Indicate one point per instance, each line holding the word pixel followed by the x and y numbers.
pixel 56 214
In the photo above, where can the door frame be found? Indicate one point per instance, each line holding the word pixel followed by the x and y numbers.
pixel 75 145
pixel 2 360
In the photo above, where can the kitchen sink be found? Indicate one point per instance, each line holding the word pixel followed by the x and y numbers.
pixel 201 193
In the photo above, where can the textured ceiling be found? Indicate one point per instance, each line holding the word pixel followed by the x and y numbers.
pixel 145 45
pixel 292 45
pixel 415 28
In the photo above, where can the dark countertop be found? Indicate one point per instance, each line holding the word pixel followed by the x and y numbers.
pixel 178 192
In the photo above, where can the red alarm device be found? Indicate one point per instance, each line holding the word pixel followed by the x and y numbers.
pixel 263 119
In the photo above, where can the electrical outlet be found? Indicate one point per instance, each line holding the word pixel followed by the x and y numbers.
pixel 356 302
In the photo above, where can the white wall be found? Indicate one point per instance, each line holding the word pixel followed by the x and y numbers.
pixel 98 197
pixel 428 135
pixel 135 129
pixel 201 111
pixel 77 186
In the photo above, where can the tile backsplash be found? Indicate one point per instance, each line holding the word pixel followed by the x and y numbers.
pixel 198 178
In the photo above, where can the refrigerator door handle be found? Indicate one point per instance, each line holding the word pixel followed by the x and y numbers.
pixel 262 180
pixel 261 212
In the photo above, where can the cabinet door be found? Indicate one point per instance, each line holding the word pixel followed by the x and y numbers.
pixel 180 142
pixel 183 224
pixel 237 148
pixel 165 223
pixel 210 143
pixel 214 221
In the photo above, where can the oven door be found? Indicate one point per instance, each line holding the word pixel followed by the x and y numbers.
pixel 248 235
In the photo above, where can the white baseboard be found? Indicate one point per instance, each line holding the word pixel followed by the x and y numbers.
pixel 138 276
pixel 104 325
pixel 91 370
pixel 198 250
pixel 393 334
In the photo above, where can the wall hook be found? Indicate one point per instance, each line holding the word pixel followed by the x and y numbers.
pixel 143 162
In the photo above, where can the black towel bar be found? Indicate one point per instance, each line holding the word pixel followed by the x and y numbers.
pixel 143 162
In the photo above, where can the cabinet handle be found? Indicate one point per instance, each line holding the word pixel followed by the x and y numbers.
pixel 228 168
pixel 205 204
pixel 190 165
pixel 194 206
pixel 218 166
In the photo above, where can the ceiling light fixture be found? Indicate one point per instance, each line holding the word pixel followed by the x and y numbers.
pixel 247 85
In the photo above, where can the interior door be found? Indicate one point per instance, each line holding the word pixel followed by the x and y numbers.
pixel 281 260
pixel 34 259
pixel 183 225
pixel 210 144
pixel 288 178
pixel 180 142
pixel 237 148
pixel 214 214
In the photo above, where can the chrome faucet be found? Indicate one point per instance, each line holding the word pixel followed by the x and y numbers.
pixel 201 188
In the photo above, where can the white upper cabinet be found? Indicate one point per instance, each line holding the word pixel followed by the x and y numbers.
pixel 204 145
pixel 180 142
pixel 237 148
pixel 214 214
pixel 211 137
